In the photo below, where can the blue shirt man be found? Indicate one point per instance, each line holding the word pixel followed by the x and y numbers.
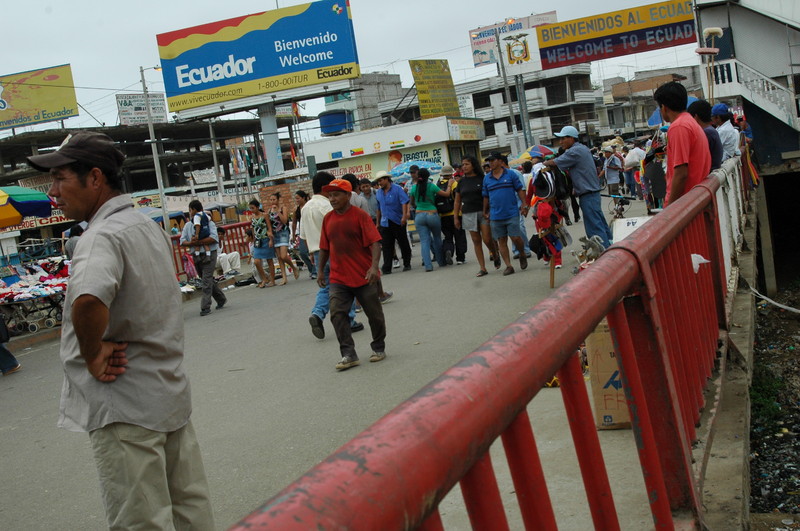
pixel 390 204
pixel 501 189
pixel 502 194
pixel 393 211
pixel 578 161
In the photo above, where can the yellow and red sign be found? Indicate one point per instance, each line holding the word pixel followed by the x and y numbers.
pixel 435 90
pixel 37 96
pixel 639 29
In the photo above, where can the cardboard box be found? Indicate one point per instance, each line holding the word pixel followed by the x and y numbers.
pixel 610 408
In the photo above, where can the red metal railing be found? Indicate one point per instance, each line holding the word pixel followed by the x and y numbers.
pixel 666 320
pixel 234 240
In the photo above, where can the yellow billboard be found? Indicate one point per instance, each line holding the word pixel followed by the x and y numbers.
pixel 37 96
pixel 435 91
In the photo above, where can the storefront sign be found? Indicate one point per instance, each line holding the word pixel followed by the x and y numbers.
pixel 366 166
pixel 37 96
pixel 639 29
pixel 40 182
pixel 150 200
pixel 35 223
pixel 298 46
pixel 466 129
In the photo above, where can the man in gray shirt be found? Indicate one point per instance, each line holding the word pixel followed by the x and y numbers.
pixel 578 161
pixel 123 362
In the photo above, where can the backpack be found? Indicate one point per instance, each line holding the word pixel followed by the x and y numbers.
pixel 444 205
pixel 563 184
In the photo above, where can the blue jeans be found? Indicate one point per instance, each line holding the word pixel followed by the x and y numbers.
pixel 429 228
pixel 593 219
pixel 302 249
pixel 524 233
pixel 323 303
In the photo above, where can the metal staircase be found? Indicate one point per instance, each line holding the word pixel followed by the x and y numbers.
pixel 732 78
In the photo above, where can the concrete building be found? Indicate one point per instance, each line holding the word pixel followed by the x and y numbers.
pixel 627 104
pixel 357 109
pixel 554 98
pixel 757 74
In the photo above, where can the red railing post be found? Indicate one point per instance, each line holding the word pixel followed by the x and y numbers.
pixel 528 476
pixel 673 443
pixel 432 523
pixel 641 420
pixel 587 445
pixel 482 497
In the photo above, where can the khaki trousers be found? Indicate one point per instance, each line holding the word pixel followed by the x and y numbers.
pixel 152 480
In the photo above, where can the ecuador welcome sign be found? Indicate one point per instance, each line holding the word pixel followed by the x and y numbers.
pixel 266 52
pixel 639 29
pixel 37 96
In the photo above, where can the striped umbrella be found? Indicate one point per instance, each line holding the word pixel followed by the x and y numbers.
pixel 17 202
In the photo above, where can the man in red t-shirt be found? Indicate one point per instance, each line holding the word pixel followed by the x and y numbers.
pixel 688 157
pixel 351 242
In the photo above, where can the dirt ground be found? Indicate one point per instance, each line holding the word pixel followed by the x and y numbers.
pixel 775 426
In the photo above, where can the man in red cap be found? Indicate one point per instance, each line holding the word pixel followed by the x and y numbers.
pixel 351 242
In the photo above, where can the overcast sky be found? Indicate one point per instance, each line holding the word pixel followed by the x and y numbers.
pixel 106 42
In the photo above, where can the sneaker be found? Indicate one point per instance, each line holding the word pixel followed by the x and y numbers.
pixel 448 257
pixel 222 304
pixel 316 326
pixel 358 308
pixel 377 356
pixel 395 264
pixel 386 296
pixel 461 262
pixel 558 266
pixel 346 363
pixel 203 313
pixel 19 367
pixel 357 327
pixel 407 268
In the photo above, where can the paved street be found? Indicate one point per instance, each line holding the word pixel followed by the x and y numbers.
pixel 268 403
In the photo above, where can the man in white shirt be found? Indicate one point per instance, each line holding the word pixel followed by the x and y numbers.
pixel 632 161
pixel 721 118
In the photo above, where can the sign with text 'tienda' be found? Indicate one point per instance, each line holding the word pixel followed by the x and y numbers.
pixel 634 30
pixel 267 52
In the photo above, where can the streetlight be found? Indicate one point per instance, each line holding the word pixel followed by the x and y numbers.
pixel 156 163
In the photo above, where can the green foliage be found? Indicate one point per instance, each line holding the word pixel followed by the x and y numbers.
pixel 765 396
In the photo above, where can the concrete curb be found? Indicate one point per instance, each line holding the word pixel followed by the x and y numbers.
pixel 726 489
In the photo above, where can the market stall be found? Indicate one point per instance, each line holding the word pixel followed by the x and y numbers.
pixel 32 294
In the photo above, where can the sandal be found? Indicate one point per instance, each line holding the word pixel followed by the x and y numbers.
pixel 482 273
pixel 269 285
pixel 497 262
pixel 261 285
pixel 296 273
